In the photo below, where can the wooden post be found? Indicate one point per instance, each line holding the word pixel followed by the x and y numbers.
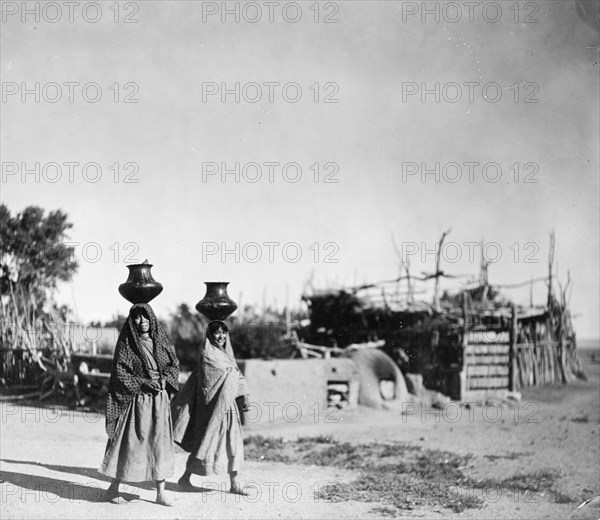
pixel 550 264
pixel 561 345
pixel 465 343
pixel 512 351
pixel 531 293
pixel 288 318
pixel 411 298
pixel 436 295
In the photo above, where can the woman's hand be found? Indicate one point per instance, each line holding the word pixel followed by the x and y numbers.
pixel 245 403
pixel 150 386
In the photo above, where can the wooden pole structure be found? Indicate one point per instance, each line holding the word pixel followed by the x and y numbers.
pixel 411 298
pixel 288 319
pixel 512 351
pixel 436 295
pixel 483 273
pixel 550 264
pixel 531 293
pixel 562 339
pixel 465 343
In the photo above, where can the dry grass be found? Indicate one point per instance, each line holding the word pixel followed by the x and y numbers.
pixel 401 476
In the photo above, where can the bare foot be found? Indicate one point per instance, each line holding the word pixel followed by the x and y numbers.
pixel 114 497
pixel 163 500
pixel 237 489
pixel 186 485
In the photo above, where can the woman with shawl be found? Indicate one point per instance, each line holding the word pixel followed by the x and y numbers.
pixel 138 415
pixel 206 420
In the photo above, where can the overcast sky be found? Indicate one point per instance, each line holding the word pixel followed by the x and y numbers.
pixel 537 132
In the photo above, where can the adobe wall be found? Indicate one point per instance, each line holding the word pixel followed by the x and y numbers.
pixel 287 389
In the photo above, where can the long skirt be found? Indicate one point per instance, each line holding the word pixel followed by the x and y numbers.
pixel 142 447
pixel 221 449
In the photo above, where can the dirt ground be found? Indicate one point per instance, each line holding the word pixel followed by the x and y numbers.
pixel 49 460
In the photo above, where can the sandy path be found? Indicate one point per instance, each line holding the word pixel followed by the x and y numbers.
pixel 49 460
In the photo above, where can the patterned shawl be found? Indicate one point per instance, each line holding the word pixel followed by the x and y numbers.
pixel 130 366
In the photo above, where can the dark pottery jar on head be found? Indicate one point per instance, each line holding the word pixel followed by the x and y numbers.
pixel 140 287
pixel 216 304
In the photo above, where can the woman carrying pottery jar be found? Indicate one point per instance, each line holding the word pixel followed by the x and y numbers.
pixel 138 416
pixel 206 419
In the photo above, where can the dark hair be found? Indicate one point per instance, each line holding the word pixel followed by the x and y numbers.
pixel 215 325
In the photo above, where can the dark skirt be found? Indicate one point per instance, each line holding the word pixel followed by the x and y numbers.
pixel 142 447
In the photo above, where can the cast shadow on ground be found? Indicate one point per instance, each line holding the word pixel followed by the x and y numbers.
pixel 91 473
pixel 46 489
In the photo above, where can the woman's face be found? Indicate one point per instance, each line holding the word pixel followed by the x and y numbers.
pixel 142 323
pixel 219 338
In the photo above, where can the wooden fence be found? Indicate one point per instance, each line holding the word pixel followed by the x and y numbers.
pixel 495 363
pixel 493 356
pixel 487 360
